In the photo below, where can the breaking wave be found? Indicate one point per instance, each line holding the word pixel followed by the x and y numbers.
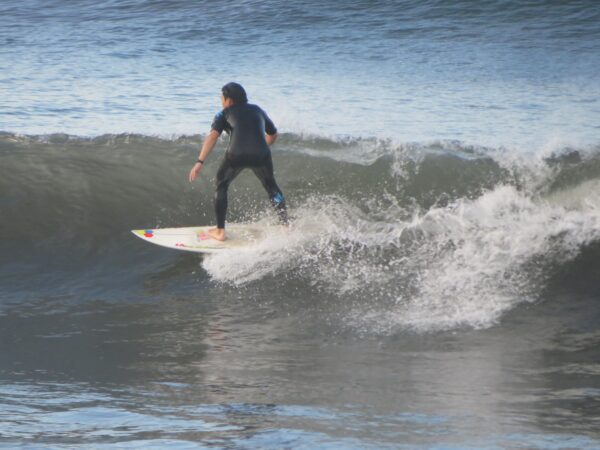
pixel 401 236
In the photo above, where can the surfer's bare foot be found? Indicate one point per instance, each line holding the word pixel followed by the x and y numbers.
pixel 217 233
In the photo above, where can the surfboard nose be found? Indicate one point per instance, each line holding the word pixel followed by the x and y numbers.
pixel 143 233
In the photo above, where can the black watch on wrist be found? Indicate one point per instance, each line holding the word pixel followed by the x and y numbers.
pixel 200 161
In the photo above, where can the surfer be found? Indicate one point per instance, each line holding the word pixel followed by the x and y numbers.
pixel 251 133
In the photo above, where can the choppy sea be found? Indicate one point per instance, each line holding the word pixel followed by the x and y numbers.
pixel 440 287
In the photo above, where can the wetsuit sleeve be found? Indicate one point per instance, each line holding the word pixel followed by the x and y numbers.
pixel 219 123
pixel 269 125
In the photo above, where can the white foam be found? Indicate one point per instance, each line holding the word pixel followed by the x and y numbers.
pixel 471 264
pixel 465 264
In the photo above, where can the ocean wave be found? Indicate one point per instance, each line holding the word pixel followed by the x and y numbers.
pixel 412 236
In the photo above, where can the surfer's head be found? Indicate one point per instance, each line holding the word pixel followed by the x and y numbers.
pixel 235 93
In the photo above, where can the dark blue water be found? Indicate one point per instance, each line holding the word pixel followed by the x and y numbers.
pixel 441 283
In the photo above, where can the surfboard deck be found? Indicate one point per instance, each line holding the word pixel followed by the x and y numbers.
pixel 196 239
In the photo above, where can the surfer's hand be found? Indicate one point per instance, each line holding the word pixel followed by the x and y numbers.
pixel 195 171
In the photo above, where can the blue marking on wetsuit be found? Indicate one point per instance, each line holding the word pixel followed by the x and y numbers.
pixel 278 198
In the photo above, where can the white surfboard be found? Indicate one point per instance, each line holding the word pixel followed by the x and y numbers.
pixel 196 239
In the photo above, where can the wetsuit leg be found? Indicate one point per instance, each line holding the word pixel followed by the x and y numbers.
pixel 225 175
pixel 264 172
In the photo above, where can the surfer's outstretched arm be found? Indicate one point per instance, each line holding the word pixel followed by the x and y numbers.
pixel 209 143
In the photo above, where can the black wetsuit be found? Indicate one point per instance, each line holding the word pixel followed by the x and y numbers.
pixel 246 125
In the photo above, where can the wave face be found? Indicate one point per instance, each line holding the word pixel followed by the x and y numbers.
pixel 388 237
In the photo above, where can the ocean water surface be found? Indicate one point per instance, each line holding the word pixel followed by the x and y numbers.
pixel 440 286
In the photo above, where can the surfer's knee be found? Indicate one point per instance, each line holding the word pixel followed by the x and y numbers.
pixel 221 189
